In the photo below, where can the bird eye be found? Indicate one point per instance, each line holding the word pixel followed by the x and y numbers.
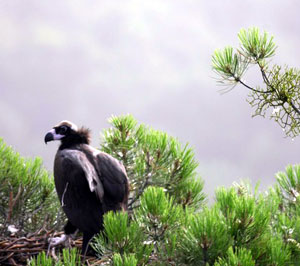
pixel 63 129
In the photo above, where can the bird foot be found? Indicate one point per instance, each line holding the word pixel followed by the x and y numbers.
pixel 63 239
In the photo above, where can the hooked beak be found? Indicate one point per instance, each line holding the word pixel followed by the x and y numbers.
pixel 49 137
pixel 52 135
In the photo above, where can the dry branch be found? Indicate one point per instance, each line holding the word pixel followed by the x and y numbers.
pixel 16 250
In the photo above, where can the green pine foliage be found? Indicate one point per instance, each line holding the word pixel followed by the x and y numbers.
pixel 41 260
pixel 67 258
pixel 256 46
pixel 168 223
pixel 204 238
pixel 249 217
pixel 288 219
pixel 125 260
pixel 70 258
pixel 241 228
pixel 121 236
pixel 150 234
pixel 289 185
pixel 161 219
pixel 28 198
pixel 279 97
pixel 151 157
pixel 158 211
pixel 242 257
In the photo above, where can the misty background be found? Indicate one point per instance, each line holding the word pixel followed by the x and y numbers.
pixel 86 60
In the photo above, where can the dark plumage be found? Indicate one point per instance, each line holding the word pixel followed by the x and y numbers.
pixel 88 182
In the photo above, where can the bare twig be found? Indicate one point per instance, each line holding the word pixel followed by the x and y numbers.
pixel 16 250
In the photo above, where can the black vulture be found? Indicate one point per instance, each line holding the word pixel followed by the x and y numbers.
pixel 88 182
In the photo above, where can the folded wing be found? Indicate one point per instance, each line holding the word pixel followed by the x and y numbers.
pixel 114 179
pixel 73 161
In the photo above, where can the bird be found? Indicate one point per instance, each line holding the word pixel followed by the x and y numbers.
pixel 88 182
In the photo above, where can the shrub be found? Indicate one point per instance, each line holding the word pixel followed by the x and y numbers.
pixel 151 157
pixel 28 198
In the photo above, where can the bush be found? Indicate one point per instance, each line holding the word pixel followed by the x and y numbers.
pixel 28 198
pixel 168 223
pixel 121 236
pixel 149 234
pixel 251 219
pixel 242 228
pixel 151 157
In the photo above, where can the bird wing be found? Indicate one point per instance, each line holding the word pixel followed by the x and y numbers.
pixel 113 177
pixel 79 190
pixel 75 160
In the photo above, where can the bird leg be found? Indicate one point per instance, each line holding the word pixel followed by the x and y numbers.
pixel 87 237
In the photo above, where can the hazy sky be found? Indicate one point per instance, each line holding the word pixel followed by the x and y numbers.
pixel 86 60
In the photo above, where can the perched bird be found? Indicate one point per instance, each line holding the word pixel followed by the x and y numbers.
pixel 88 182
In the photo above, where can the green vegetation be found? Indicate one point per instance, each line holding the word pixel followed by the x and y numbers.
pixel 241 227
pixel 241 257
pixel 28 197
pixel 279 97
pixel 67 258
pixel 151 157
pixel 167 224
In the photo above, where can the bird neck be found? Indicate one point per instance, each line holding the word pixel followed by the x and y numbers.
pixel 82 136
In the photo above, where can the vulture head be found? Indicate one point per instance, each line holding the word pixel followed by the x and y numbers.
pixel 68 133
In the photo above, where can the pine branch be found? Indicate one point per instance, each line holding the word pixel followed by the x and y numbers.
pixel 282 89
